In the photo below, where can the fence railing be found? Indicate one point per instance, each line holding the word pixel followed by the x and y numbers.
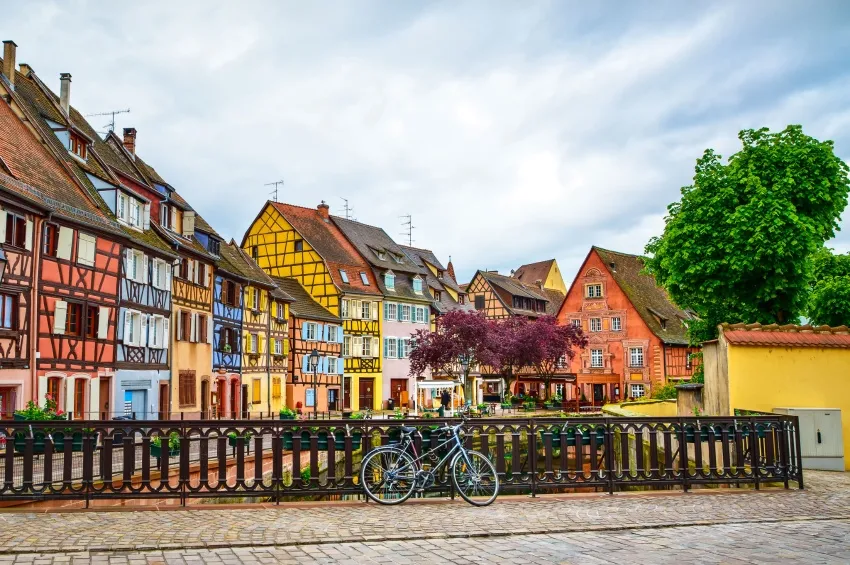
pixel 272 459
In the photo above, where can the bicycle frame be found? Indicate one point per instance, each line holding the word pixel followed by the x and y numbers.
pixel 457 450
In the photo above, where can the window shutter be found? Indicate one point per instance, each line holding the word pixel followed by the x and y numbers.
pixel 261 344
pixel 28 241
pixel 386 310
pixel 103 322
pixel 127 321
pixel 173 222
pixel 144 327
pixel 340 337
pixel 376 347
pixel 3 222
pixel 146 217
pixel 209 335
pixel 427 315
pixel 304 331
pixel 374 310
pixel 42 381
pixel 193 328
pixel 143 276
pixel 178 335
pixel 63 247
pixel 305 360
pixel 59 314
pixel 386 349
pixel 166 335
pixel 320 329
pixel 357 345
pixel 356 309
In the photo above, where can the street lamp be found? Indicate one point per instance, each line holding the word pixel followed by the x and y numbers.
pixel 314 366
pixel 464 365
pixel 3 263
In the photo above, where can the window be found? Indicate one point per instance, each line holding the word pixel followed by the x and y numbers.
pixel 254 344
pixel 636 357
pixel 156 331
pixel 596 358
pixel 78 146
pixel 417 285
pixel 332 334
pixel 405 313
pixel 310 331
pixel 92 321
pixel 184 326
pixel 594 290
pixel 276 387
pixel 389 281
pixel 80 398
pixel 50 243
pixel 201 328
pixel 135 218
pixel 638 391
pixel 346 346
pixel 132 328
pixel 390 312
pixel 256 391
pixel 367 347
pixel 479 302
pixel 164 216
pixel 187 392
pixel 8 311
pixel 343 309
pixel 332 365
pixel 576 323
pixel 616 325
pixel 74 325
pixel 85 249
pixel 365 310
pixel 277 346
pixel 561 362
pixel 364 279
pixel 160 274
pixel 380 254
pixel 461 298
pixel 344 276
pixel 437 297
pixel 299 245
pixel 403 348
pixel 255 253
pixel 420 315
pixel 16 230
pixel 596 324
pixel 53 384
pixel 390 349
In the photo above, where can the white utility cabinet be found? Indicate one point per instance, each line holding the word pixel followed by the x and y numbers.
pixel 821 439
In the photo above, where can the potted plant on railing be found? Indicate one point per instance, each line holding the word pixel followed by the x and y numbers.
pixel 570 432
pixel 172 445
pixel 50 412
pixel 234 438
pixel 226 348
pixel 287 414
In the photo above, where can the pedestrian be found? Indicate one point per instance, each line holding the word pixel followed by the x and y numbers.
pixel 445 399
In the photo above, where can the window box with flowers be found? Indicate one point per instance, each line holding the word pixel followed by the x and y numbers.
pixel 50 412
pixel 172 445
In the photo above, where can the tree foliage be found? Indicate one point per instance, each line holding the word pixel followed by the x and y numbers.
pixel 737 247
pixel 829 301
pixel 549 345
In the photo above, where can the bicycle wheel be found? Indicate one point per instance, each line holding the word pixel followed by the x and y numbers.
pixel 387 475
pixel 476 481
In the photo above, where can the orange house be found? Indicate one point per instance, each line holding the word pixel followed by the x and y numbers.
pixel 637 338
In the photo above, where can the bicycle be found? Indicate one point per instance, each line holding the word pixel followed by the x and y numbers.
pixel 390 474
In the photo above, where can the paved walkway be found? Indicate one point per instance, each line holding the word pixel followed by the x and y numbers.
pixel 724 524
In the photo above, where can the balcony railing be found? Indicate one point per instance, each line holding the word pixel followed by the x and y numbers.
pixel 275 459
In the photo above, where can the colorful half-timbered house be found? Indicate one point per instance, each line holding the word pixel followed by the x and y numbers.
pixel 304 244
pixel 313 327
pixel 406 307
pixel 637 336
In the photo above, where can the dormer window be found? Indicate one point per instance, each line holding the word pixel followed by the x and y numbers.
pixel 461 299
pixel 214 246
pixel 439 274
pixel 164 216
pixel 135 216
pixel 78 146
pixel 389 280
pixel 381 255
pixel 128 210
pixel 364 279
pixel 417 285
pixel 437 295
pixel 397 258
pixel 344 276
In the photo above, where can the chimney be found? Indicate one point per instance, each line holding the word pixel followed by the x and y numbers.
pixel 25 69
pixel 65 92
pixel 324 210
pixel 130 141
pixel 9 48
pixel 539 284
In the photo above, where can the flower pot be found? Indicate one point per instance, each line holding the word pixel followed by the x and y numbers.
pixel 339 440
pixel 157 451
pixel 287 416
pixel 40 438
pixel 571 437
pixel 690 433
pixel 234 441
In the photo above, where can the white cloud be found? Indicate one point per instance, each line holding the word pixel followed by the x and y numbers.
pixel 511 133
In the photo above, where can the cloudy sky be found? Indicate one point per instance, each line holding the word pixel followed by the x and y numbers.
pixel 511 131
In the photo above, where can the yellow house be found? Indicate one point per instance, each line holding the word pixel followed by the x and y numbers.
pixel 304 244
pixel 763 368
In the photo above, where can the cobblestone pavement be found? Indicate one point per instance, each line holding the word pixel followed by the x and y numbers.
pixel 548 520
pixel 825 541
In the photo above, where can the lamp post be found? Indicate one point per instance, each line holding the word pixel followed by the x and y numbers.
pixel 3 263
pixel 314 366
pixel 464 366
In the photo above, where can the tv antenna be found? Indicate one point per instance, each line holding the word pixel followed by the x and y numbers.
pixel 273 193
pixel 111 125
pixel 347 209
pixel 409 227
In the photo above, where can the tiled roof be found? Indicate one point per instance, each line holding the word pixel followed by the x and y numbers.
pixel 446 302
pixel 329 242
pixel 508 287
pixel 116 158
pixel 303 305
pixel 201 224
pixel 556 299
pixel 774 335
pixel 371 239
pixel 533 272
pixel 426 255
pixel 650 300
pixel 234 261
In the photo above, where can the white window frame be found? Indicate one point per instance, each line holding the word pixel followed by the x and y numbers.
pixel 576 323
pixel 277 346
pixel 405 313
pixel 310 329
pixel 332 334
pixel 596 324
pixel 593 290
pixel 121 207
pixel 135 213
pixel 364 279
pixel 255 342
pixel 392 348
pixel 333 368
pixel 636 357
pixel 346 346
pixel 367 347
pixel 637 388
pixel 392 312
pixel 343 309
pixel 366 310
pixel 594 354
pixel 616 324
pixel 420 315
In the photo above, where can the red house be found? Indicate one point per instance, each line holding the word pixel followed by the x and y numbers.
pixel 637 336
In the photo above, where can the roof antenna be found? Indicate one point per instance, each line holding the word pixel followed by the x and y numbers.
pixel 408 233
pixel 347 210
pixel 274 192
pixel 111 125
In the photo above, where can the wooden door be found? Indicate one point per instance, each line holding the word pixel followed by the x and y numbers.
pixel 163 401
pixel 346 393
pixel 105 383
pixel 245 412
pixel 598 394
pixel 79 399
pixel 398 391
pixel 205 399
pixel 367 393
pixel 7 403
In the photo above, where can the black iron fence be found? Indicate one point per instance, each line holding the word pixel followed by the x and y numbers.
pixel 275 459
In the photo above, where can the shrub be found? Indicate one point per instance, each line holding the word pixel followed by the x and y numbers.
pixel 666 392
pixel 287 412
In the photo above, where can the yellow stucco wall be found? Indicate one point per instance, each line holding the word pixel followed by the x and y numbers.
pixel 554 280
pixel 764 378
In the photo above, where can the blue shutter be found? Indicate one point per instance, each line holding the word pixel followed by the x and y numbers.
pixel 325 364
pixel 319 329
pixel 386 349
pixel 305 361
pixel 427 315
pixel 304 331
pixel 339 334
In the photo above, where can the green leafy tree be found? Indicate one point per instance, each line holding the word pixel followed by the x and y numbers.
pixel 829 301
pixel 737 247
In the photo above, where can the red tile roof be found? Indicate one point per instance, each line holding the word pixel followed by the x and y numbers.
pixel 786 336
pixel 533 272
pixel 329 242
